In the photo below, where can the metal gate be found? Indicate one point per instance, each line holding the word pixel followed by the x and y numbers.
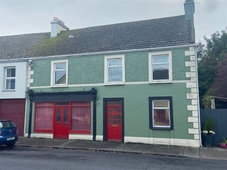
pixel 219 117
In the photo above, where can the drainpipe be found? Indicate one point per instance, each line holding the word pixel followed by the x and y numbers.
pixel 94 92
pixel 30 94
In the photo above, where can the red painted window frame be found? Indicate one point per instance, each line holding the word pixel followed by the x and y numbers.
pixel 43 130
pixel 84 104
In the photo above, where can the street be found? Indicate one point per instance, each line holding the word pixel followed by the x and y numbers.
pixel 24 158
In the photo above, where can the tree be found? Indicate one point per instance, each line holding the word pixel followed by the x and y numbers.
pixel 212 59
pixel 220 83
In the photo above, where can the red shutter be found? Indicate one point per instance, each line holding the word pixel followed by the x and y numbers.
pixel 14 109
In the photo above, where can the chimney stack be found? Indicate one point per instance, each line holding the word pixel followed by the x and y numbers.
pixel 57 26
pixel 189 9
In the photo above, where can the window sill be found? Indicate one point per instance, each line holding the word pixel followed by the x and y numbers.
pixel 161 128
pixel 161 82
pixel 114 83
pixel 79 132
pixel 13 90
pixel 58 86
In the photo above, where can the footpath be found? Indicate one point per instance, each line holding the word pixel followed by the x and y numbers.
pixel 109 146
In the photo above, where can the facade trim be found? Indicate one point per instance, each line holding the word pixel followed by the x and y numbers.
pixel 162 141
pixel 193 96
pixel 81 137
pixel 103 84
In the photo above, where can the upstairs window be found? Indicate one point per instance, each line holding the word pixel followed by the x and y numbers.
pixel 59 73
pixel 10 78
pixel 114 69
pixel 160 66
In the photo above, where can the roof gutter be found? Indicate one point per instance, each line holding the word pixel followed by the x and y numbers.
pixel 14 60
pixel 97 53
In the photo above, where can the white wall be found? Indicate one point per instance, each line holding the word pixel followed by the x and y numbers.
pixel 21 80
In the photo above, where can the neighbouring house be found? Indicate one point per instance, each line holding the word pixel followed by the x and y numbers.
pixel 13 83
pixel 128 82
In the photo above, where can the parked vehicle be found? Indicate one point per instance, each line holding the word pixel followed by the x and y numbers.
pixel 8 133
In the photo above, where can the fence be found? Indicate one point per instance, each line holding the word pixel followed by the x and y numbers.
pixel 219 116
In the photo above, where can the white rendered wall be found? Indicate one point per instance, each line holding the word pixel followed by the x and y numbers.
pixel 21 80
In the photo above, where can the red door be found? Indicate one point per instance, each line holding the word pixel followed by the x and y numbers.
pixel 61 122
pixel 114 120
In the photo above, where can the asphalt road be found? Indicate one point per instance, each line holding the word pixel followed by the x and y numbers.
pixel 22 158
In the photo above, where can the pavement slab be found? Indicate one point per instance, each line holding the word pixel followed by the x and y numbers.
pixel 152 149
pixel 191 152
pixel 213 153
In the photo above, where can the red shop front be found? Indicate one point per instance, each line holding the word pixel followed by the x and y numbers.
pixel 63 113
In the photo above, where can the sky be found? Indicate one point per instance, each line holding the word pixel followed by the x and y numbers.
pixel 34 16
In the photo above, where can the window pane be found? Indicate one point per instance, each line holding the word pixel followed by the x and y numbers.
pixel 10 84
pixel 115 74
pixel 115 62
pixel 81 104
pixel 60 66
pixel 11 72
pixel 65 115
pixel 160 71
pixel 44 118
pixel 161 103
pixel 160 67
pixel 58 115
pixel 160 59
pixel 161 117
pixel 43 104
pixel 115 102
pixel 81 118
pixel 60 77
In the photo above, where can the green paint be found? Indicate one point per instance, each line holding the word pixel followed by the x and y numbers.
pixel 136 67
pixel 90 69
pixel 42 72
pixel 83 72
pixel 136 107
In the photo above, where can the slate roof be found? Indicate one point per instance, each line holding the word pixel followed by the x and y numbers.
pixel 171 31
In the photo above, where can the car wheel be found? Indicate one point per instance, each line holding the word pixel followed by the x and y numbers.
pixel 10 144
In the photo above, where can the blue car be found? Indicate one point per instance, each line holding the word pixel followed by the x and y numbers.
pixel 8 133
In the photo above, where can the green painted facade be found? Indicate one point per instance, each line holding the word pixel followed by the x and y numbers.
pixel 90 70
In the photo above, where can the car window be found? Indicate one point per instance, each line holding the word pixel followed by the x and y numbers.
pixel 7 124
